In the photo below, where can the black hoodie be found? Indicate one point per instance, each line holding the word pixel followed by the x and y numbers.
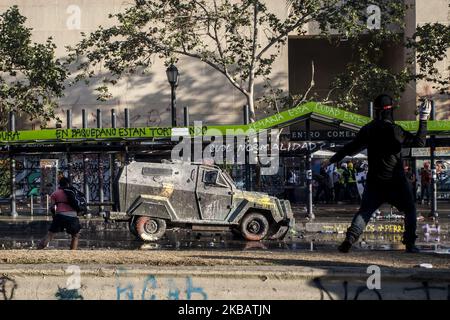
pixel 384 141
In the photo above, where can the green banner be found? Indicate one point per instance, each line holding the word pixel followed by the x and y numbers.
pixel 275 121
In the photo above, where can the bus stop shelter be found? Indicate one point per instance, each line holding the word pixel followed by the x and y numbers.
pixel 92 156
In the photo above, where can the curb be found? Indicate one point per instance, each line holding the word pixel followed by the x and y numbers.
pixel 280 273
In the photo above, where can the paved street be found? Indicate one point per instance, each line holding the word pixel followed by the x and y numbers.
pixel 220 265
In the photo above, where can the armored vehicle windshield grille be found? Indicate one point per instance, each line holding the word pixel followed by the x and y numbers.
pixel 147 171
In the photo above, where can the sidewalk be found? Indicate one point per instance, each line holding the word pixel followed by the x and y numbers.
pixel 135 275
pixel 346 211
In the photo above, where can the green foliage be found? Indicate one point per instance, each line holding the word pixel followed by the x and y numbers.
pixel 242 40
pixel 431 42
pixel 31 79
pixel 366 76
pixel 239 39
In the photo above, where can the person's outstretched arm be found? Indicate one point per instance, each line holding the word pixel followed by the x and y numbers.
pixel 407 139
pixel 357 144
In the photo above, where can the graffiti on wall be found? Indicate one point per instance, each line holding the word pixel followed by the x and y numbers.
pixel 88 167
pixel 5 177
pixel 68 294
pixel 370 228
pixel 7 288
pixel 147 290
pixel 152 287
pixel 73 284
pixel 31 169
pixel 363 292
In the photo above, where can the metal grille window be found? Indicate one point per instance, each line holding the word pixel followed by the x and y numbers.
pixel 150 172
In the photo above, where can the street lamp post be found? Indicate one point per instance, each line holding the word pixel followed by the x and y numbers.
pixel 173 77
pixel 433 214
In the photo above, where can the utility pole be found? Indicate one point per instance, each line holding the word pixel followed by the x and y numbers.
pixel 433 212
pixel 68 156
pixel 186 116
pixel 100 165
pixel 12 128
pixel 248 180
pixel 309 178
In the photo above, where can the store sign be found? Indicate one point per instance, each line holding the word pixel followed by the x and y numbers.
pixel 302 147
pixel 425 152
pixel 420 152
pixel 443 152
pixel 280 119
pixel 323 135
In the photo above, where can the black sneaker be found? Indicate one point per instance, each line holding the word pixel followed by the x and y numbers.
pixel 411 248
pixel 345 246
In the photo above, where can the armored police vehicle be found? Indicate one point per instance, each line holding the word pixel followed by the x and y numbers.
pixel 155 196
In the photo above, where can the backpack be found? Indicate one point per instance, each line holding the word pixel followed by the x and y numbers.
pixel 76 199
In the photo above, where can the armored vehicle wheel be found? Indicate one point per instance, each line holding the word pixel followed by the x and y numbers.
pixel 150 229
pixel 254 227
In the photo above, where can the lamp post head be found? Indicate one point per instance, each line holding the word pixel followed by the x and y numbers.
pixel 172 75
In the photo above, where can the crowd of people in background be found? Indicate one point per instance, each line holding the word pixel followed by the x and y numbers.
pixel 425 178
pixel 339 184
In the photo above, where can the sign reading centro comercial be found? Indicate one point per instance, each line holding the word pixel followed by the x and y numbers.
pixel 323 135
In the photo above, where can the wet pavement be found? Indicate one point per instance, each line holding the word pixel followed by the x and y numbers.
pixel 322 234
pixel 346 211
pixel 179 239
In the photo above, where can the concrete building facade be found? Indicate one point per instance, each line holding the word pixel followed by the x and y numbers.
pixel 209 95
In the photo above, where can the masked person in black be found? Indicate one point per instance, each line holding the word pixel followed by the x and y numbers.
pixel 386 180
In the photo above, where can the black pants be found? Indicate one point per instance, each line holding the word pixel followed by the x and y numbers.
pixel 396 192
pixel 326 191
pixel 337 192
pixel 352 192
pixel 414 191
pixel 425 190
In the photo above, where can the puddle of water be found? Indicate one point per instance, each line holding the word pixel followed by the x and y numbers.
pixel 188 240
pixel 178 240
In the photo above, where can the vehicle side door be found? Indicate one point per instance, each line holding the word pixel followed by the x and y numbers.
pixel 214 194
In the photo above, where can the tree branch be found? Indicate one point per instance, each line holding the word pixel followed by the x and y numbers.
pixel 300 22
pixel 216 67
pixel 251 79
pixel 280 37
pixel 312 84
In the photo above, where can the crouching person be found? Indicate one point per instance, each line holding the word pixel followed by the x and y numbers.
pixel 65 217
